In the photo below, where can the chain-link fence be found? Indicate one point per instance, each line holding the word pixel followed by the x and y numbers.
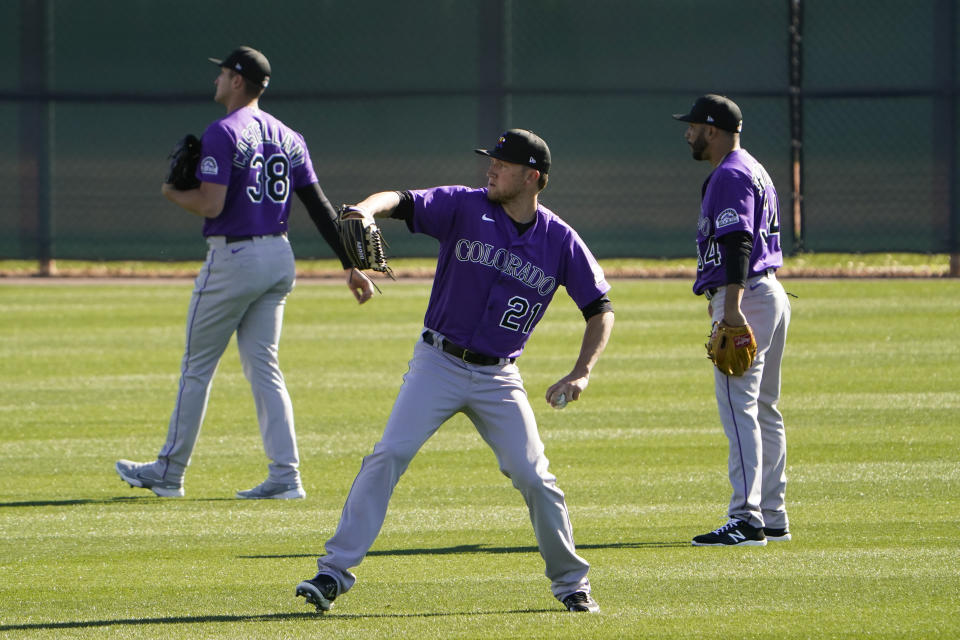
pixel 851 107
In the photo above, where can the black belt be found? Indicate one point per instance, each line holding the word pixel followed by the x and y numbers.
pixel 232 239
pixel 466 355
pixel 709 293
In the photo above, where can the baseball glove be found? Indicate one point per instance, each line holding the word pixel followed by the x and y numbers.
pixel 183 164
pixel 732 349
pixel 363 242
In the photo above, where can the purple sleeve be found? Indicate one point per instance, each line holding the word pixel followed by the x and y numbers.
pixel 734 192
pixel 434 210
pixel 581 273
pixel 216 154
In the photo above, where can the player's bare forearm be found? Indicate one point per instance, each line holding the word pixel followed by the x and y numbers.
pixel 359 284
pixel 206 200
pixel 732 314
pixel 379 204
pixel 595 338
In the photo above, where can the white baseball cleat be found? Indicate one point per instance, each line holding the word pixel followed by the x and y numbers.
pixel 270 490
pixel 146 476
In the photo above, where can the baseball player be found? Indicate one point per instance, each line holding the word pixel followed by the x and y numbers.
pixel 738 254
pixel 502 258
pixel 250 163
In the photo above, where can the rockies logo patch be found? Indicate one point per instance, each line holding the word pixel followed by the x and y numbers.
pixel 726 218
pixel 208 166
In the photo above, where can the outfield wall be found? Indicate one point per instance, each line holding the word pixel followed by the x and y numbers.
pixel 861 111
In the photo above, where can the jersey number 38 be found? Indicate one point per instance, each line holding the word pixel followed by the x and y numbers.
pixel 272 178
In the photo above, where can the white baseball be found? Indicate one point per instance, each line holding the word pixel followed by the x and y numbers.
pixel 560 402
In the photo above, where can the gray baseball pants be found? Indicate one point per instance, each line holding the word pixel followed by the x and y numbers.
pixel 436 387
pixel 242 289
pixel 748 409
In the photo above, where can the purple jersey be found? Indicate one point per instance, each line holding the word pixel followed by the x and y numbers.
pixel 493 284
pixel 737 196
pixel 260 160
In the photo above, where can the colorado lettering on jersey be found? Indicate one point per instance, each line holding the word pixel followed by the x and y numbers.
pixel 256 134
pixel 507 262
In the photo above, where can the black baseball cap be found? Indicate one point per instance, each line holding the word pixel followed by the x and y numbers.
pixel 249 63
pixel 720 111
pixel 520 146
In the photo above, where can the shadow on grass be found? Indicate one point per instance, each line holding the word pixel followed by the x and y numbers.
pixel 68 502
pixel 141 498
pixel 479 548
pixel 81 624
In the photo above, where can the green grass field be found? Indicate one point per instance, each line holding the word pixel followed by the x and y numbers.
pixel 871 398
pixel 808 264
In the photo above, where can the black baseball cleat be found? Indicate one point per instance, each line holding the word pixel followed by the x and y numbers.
pixel 580 601
pixel 735 533
pixel 776 535
pixel 321 590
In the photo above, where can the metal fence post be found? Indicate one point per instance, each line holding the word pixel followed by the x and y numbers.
pixel 796 120
pixel 36 133
pixel 945 110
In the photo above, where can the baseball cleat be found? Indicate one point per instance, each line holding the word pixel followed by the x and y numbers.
pixel 144 475
pixel 320 591
pixel 735 533
pixel 581 601
pixel 270 490
pixel 776 535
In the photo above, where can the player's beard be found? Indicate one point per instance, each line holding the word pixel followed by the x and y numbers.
pixel 698 145
pixel 501 195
